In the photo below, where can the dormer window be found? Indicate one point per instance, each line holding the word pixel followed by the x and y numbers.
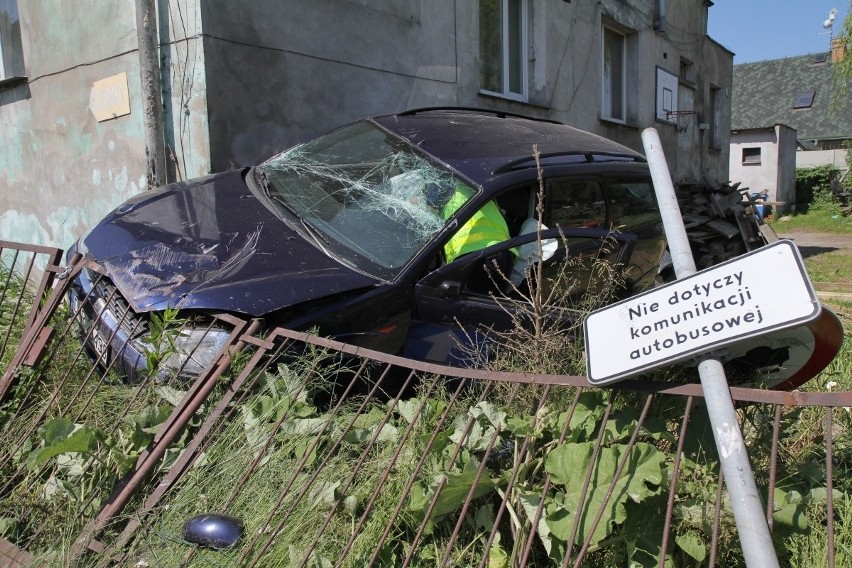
pixel 805 98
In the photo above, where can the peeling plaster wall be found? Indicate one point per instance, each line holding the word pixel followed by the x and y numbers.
pixel 60 169
pixel 245 79
pixel 281 71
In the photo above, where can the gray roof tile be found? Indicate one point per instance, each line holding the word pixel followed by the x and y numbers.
pixel 764 93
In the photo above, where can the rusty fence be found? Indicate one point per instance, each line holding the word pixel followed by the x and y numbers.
pixel 325 454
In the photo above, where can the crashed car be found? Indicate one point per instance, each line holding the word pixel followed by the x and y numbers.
pixel 382 234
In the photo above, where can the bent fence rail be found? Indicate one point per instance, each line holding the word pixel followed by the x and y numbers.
pixel 331 455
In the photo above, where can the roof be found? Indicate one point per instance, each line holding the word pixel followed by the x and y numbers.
pixel 480 144
pixel 766 92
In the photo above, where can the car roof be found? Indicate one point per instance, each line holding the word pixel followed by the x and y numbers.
pixel 481 144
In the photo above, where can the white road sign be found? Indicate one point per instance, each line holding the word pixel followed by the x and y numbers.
pixel 756 293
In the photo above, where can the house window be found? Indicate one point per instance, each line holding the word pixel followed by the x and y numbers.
pixel 503 47
pixel 715 118
pixel 614 76
pixel 751 156
pixel 805 98
pixel 687 71
pixel 11 53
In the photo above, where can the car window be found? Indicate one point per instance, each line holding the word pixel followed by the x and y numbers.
pixel 375 201
pixel 632 204
pixel 577 203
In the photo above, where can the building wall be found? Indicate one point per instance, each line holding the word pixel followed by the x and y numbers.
pixel 811 159
pixel 55 156
pixel 62 169
pixel 279 73
pixel 245 79
pixel 776 172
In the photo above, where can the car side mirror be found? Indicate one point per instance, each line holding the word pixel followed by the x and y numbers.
pixel 450 289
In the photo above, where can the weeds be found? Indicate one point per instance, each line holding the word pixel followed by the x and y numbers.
pixel 311 475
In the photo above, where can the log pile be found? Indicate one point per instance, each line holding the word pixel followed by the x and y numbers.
pixel 719 219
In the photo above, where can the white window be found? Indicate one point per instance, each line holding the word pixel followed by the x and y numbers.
pixel 614 73
pixel 503 48
pixel 11 54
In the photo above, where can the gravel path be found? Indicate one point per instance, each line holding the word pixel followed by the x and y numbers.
pixel 812 244
pixel 831 241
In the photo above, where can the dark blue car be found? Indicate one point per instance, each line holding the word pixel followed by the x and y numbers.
pixel 401 233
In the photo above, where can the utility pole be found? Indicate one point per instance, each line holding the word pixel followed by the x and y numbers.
pixel 152 100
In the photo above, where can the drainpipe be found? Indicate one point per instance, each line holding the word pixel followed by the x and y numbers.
pixel 152 103
pixel 660 20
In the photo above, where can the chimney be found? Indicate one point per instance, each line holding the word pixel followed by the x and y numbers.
pixel 838 48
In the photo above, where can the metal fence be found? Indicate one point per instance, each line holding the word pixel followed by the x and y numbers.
pixel 331 455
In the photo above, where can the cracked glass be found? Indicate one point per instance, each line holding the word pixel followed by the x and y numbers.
pixel 363 196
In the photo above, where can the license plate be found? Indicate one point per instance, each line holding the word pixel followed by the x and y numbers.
pixel 100 347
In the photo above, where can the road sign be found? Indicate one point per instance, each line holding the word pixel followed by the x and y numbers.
pixel 752 295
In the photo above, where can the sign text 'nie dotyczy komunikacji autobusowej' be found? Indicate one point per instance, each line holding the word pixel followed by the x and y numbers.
pixel 753 294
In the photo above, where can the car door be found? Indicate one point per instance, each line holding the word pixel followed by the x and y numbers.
pixel 459 306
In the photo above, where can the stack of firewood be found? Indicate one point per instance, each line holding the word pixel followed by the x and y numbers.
pixel 720 220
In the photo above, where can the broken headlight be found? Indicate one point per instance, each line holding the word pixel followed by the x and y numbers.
pixel 188 352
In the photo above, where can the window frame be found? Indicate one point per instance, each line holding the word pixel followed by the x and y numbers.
pixel 715 142
pixel 522 44
pixel 606 88
pixel 11 48
pixel 804 99
pixel 751 155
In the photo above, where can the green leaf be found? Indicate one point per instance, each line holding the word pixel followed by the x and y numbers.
pixel 487 420
pixel 82 440
pixel 584 420
pixel 8 526
pixel 170 395
pixel 643 531
pixel 567 464
pixel 692 544
pixel 303 426
pixel 520 427
pixel 388 433
pixel 497 557
pixel 820 495
pixel 484 518
pixel 530 501
pixel 457 487
pixel 55 429
pixel 407 409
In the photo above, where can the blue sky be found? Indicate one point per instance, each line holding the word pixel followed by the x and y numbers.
pixel 756 30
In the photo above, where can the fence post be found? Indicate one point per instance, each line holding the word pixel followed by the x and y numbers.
pixel 752 527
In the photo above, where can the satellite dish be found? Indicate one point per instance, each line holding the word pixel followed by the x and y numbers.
pixel 827 24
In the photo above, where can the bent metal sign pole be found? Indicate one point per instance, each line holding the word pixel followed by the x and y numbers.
pixel 732 294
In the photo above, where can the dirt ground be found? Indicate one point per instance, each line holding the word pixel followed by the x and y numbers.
pixel 813 244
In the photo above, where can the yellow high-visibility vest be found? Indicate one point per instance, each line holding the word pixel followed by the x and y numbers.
pixel 487 226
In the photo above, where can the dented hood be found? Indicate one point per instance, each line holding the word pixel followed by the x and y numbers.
pixel 210 244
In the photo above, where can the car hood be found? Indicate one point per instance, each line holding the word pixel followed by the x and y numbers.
pixel 211 244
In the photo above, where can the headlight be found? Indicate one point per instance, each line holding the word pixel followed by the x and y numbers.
pixel 190 352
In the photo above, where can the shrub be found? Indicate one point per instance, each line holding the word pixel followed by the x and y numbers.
pixel 813 187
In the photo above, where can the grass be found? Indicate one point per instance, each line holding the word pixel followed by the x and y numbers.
pixel 819 219
pixel 211 484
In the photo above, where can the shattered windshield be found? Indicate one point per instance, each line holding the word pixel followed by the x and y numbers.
pixel 372 201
